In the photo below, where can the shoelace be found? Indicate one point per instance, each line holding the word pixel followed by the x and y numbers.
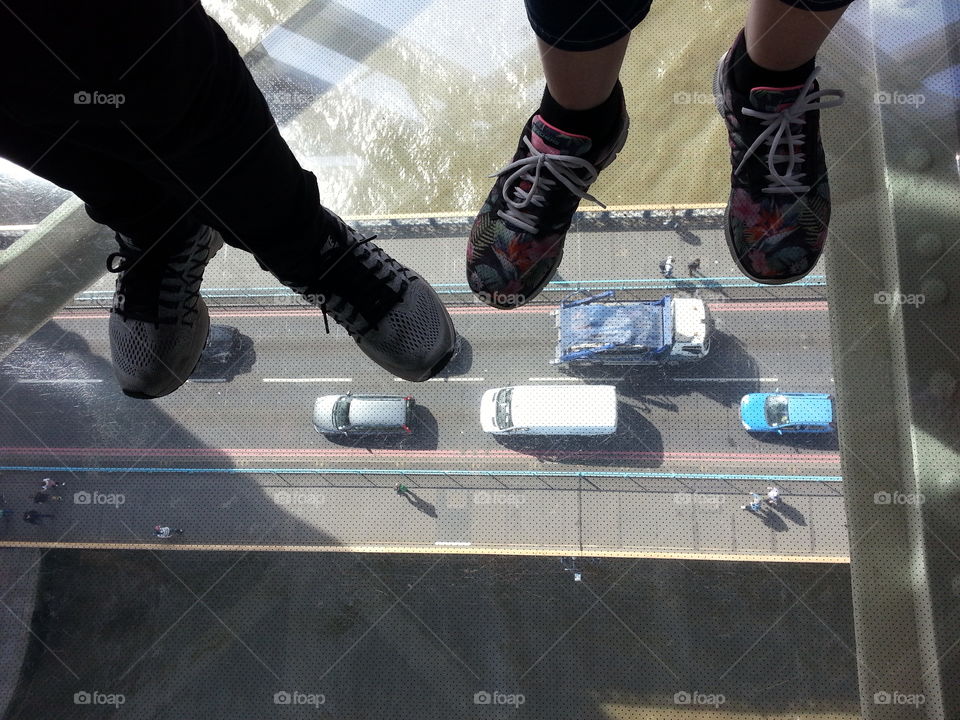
pixel 780 136
pixel 122 260
pixel 563 168
pixel 372 296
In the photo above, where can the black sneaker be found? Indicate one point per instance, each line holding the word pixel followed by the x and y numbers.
pixel 393 314
pixel 516 242
pixel 159 322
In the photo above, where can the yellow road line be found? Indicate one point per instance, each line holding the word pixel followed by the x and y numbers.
pixel 441 550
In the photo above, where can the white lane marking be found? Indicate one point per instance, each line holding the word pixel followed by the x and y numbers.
pixel 452 542
pixel 206 380
pixel 64 380
pixel 16 228
pixel 453 379
pixel 734 379
pixel 306 380
pixel 558 377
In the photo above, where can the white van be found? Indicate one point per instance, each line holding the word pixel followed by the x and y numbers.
pixel 550 410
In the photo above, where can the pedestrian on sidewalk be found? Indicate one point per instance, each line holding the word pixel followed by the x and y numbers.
pixel 754 504
pixel 47 484
pixel 42 497
pixel 401 488
pixel 165 532
pixel 693 267
pixel 773 495
pixel 33 516
pixel 666 267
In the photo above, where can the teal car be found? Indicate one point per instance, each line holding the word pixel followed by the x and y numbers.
pixel 787 412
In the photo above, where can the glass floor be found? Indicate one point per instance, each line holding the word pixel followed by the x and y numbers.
pixel 450 572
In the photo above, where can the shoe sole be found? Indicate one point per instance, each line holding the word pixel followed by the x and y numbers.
pixel 718 102
pixel 447 356
pixel 617 147
pixel 203 319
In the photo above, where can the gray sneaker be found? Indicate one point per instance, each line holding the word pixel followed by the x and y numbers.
pixel 159 322
pixel 393 314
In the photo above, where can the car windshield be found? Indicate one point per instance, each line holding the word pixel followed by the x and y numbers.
pixel 776 410
pixel 341 413
pixel 504 420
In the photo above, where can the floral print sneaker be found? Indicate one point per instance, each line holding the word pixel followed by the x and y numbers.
pixel 516 242
pixel 779 206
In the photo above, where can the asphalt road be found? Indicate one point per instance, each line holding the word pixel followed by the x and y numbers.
pixel 233 459
pixel 60 403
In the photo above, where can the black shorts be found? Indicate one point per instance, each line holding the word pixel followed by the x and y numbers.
pixel 593 24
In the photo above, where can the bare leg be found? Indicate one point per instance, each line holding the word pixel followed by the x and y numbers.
pixel 781 37
pixel 582 80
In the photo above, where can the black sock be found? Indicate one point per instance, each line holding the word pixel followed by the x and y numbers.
pixel 748 75
pixel 598 123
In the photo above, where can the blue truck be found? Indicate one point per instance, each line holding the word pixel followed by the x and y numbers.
pixel 601 330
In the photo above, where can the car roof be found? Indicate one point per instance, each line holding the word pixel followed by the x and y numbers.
pixel 564 406
pixel 810 409
pixel 378 410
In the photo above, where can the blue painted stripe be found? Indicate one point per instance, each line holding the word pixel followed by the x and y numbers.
pixel 555 285
pixel 421 471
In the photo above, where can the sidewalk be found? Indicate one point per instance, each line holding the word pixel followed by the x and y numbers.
pixel 603 517
pixel 609 249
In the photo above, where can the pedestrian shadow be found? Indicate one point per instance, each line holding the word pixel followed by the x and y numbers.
pixel 792 514
pixel 687 235
pixel 419 503
pixel 771 519
pixel 698 282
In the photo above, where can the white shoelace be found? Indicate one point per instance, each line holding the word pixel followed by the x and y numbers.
pixel 562 167
pixel 783 141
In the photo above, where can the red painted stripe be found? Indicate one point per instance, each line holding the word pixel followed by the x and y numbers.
pixel 732 306
pixel 417 454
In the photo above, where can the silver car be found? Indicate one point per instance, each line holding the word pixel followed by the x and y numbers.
pixel 363 414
